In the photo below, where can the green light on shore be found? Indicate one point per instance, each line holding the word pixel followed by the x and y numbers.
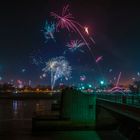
pixel 89 86
pixel 83 87
pixel 101 82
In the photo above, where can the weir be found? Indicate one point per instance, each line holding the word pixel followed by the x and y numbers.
pixel 77 111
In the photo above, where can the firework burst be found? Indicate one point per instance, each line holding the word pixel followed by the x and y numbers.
pixel 99 59
pixel 59 68
pixel 49 30
pixel 65 20
pixel 74 45
pixel 87 32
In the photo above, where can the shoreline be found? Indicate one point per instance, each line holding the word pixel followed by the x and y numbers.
pixel 29 95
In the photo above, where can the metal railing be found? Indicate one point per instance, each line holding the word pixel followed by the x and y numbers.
pixel 133 100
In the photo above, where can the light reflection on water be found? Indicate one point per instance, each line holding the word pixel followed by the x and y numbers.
pixel 15 108
pixel 22 109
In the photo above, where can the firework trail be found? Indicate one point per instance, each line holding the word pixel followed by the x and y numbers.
pixel 49 30
pixel 74 45
pixel 95 59
pixel 59 68
pixel 66 20
pixel 87 32
pixel 99 59
pixel 119 76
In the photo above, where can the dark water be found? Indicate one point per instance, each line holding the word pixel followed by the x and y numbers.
pixel 22 109
pixel 15 123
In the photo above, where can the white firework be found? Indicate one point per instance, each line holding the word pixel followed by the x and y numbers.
pixel 59 68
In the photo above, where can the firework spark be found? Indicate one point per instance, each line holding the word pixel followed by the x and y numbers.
pixel 37 60
pixel 99 59
pixel 49 30
pixel 44 75
pixel 40 77
pixel 74 45
pixel 110 70
pixel 82 78
pixel 86 30
pixel 34 61
pixel 23 70
pixel 59 68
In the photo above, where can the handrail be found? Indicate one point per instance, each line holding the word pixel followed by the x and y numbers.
pixel 133 100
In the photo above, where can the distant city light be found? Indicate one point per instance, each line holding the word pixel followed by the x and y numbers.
pixel 89 86
pixel 83 87
pixel 133 78
pixel 101 82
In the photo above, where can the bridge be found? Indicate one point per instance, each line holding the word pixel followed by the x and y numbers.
pixel 122 110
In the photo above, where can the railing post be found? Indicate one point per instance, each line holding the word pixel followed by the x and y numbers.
pixel 138 99
pixel 132 99
pixel 123 99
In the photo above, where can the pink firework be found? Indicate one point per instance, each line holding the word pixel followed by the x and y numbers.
pixel 66 20
pixel 99 59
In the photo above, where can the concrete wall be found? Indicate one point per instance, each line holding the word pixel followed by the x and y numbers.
pixel 78 106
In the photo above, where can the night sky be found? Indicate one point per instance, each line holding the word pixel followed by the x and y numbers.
pixel 114 25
